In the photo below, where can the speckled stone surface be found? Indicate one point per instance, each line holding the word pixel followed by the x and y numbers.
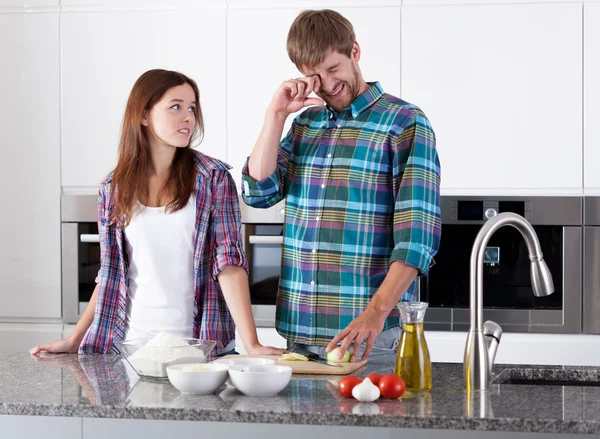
pixel 105 386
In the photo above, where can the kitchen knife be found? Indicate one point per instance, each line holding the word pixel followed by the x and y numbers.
pixel 312 356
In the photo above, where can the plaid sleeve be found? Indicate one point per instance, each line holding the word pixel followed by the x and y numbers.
pixel 417 220
pixel 226 224
pixel 100 334
pixel 273 189
pixel 109 251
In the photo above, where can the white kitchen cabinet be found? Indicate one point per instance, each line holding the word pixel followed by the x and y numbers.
pixel 102 56
pixel 30 166
pixel 98 428
pixel 20 337
pixel 266 337
pixel 257 63
pixel 67 329
pixel 104 5
pixel 591 100
pixel 29 5
pixel 501 85
pixel 32 427
pixel 521 348
pixel 480 2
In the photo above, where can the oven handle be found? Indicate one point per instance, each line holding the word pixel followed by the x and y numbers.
pixel 89 237
pixel 262 239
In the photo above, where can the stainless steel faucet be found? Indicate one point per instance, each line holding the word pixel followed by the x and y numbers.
pixel 483 339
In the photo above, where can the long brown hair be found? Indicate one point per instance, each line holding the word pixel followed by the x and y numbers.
pixel 130 179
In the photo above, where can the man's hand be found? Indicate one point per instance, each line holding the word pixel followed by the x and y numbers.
pixel 293 94
pixel 366 326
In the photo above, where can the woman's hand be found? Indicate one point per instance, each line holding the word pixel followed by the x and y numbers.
pixel 259 349
pixel 67 345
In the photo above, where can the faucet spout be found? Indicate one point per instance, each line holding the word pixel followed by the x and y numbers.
pixel 480 349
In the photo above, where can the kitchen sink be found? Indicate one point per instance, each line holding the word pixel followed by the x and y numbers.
pixel 550 382
pixel 549 376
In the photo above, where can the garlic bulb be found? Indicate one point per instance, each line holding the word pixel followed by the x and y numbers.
pixel 366 391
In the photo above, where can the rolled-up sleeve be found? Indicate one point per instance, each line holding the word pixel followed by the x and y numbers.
pixel 226 225
pixel 417 219
pixel 271 190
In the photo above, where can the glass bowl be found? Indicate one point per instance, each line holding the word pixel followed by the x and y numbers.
pixel 152 361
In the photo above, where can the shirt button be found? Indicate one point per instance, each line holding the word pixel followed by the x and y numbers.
pixel 314 250
pixel 323 186
pixel 328 156
pixel 317 218
pixel 312 282
pixel 339 125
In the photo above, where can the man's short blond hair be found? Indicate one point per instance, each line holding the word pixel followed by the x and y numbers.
pixel 314 34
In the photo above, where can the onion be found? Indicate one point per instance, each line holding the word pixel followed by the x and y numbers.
pixel 332 357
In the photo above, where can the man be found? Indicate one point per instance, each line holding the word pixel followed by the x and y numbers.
pixel 360 175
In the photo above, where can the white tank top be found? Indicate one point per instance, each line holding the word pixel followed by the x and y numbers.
pixel 160 296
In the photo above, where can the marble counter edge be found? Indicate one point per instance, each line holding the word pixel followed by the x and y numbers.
pixel 525 425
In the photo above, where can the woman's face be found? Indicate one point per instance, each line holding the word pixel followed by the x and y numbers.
pixel 172 119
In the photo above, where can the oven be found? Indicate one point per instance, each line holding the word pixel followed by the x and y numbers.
pixel 262 230
pixel 263 237
pixel 80 253
pixel 508 298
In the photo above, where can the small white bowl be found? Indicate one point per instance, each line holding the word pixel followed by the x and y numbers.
pixel 267 380
pixel 244 361
pixel 199 378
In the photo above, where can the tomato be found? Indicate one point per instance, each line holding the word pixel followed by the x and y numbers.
pixel 347 384
pixel 375 378
pixel 392 386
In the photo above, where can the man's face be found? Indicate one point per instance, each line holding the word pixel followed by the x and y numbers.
pixel 340 79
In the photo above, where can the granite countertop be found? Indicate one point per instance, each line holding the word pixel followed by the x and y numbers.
pixel 106 386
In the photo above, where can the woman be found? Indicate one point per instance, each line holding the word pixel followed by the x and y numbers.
pixel 170 237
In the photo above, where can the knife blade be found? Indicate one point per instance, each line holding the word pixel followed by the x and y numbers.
pixel 312 356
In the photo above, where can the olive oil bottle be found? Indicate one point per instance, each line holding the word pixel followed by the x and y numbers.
pixel 412 360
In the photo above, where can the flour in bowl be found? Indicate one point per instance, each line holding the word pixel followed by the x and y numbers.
pixel 161 351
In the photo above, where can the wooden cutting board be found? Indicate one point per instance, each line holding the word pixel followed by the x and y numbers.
pixel 309 367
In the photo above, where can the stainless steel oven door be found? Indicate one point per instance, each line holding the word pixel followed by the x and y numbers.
pixel 558 222
pixel 591 280
pixel 80 253
pixel 591 266
pixel 263 250
pixel 567 320
pixel 263 237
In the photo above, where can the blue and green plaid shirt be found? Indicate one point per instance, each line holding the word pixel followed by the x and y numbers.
pixel 362 190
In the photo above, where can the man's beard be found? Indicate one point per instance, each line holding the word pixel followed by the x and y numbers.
pixel 353 89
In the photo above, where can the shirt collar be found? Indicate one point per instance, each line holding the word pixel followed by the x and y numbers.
pixel 363 101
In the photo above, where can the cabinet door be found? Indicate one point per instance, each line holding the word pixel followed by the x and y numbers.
pixel 591 97
pixel 30 166
pixel 257 64
pixel 502 87
pixel 20 337
pixel 30 427
pixel 103 53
